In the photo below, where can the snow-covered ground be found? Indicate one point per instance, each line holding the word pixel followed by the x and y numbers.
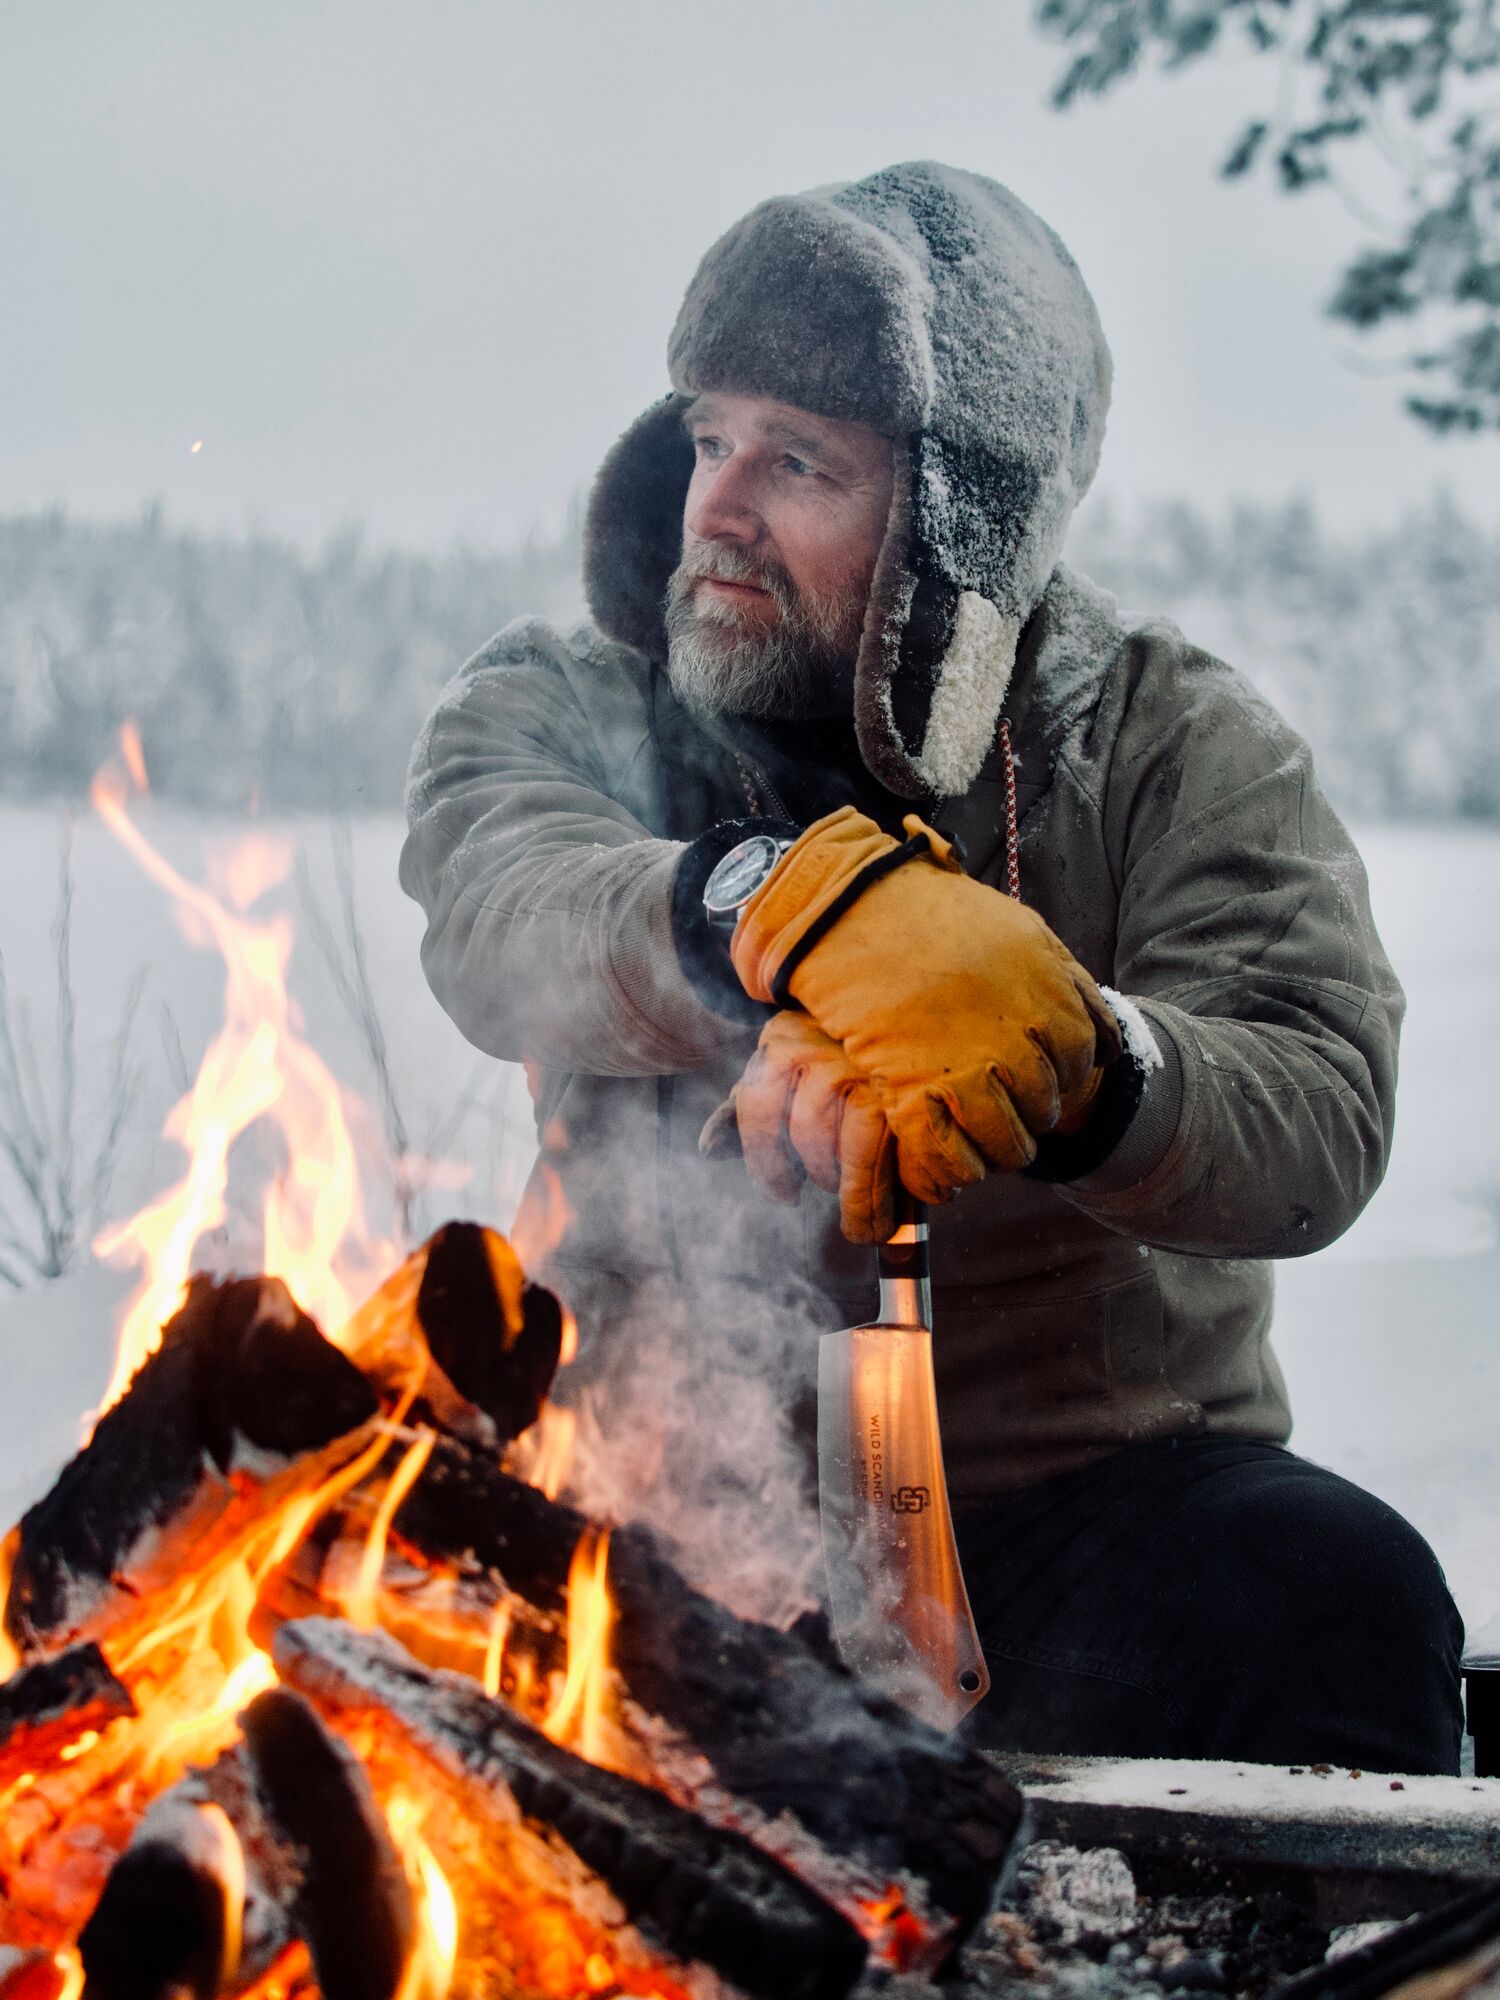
pixel 1388 1339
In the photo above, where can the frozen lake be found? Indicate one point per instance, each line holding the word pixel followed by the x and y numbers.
pixel 1388 1338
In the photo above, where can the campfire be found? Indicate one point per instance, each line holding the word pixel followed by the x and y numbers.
pixel 315 1683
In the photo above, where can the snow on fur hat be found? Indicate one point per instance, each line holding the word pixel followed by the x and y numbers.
pixel 933 305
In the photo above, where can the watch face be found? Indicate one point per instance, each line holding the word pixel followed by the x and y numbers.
pixel 741 873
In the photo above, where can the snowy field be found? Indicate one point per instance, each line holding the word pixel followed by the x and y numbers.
pixel 1388 1339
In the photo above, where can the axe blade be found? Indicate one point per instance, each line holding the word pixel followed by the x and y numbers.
pixel 897 1600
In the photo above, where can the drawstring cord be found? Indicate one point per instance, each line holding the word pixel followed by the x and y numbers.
pixel 1012 836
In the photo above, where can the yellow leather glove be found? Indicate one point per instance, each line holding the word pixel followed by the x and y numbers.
pixel 802 1108
pixel 977 1025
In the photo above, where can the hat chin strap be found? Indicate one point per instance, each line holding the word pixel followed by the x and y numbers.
pixel 967 696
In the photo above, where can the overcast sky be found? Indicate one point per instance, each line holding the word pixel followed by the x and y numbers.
pixel 415 261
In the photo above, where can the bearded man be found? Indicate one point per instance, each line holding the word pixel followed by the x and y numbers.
pixel 1034 909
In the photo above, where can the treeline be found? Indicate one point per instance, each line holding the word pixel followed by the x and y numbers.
pixel 261 674
pixel 1383 650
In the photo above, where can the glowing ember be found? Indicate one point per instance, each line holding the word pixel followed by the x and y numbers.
pixel 256 1067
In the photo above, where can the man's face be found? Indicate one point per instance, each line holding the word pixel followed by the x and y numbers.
pixel 784 518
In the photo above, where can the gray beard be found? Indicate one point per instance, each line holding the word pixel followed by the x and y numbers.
pixel 797 672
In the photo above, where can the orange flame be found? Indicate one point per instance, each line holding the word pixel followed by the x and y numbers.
pixel 429 1974
pixel 10 1657
pixel 257 1066
pixel 543 1456
pixel 576 1716
pixel 135 756
pixel 360 1604
pixel 70 1965
pixel 197 1657
pixel 541 1219
pixel 494 1652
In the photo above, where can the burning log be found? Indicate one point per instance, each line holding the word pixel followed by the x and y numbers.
pixel 550 1829
pixel 354 1905
pixel 496 1337
pixel 461 1316
pixel 243 1404
pixel 768 1730
pixel 48 1707
pixel 168 1925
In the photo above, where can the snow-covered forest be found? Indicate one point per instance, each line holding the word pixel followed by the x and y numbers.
pixel 263 675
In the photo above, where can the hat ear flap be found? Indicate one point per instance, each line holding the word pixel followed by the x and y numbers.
pixel 632 531
pixel 968 693
pixel 948 709
pixel 893 588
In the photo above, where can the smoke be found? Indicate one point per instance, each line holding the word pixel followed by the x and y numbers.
pixel 698 1426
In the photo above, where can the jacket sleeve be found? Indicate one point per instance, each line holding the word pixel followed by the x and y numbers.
pixel 549 936
pixel 1246 940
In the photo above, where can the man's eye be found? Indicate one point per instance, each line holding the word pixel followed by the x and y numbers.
pixel 800 467
pixel 706 446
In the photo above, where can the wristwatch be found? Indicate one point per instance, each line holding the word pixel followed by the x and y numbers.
pixel 735 879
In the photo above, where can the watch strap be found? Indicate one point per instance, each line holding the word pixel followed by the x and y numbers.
pixel 702 951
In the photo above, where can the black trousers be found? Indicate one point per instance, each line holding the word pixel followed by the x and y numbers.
pixel 1213 1597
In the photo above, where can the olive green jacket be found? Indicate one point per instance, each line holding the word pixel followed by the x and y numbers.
pixel 1171 832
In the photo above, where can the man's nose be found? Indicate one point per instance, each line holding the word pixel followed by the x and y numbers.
pixel 725 508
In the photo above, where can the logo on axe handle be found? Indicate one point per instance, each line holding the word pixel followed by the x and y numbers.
pixel 910 1500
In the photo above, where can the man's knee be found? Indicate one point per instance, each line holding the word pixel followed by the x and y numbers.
pixel 1317 1606
pixel 1296 1545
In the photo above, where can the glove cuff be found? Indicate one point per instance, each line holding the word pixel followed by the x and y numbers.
pixel 702 952
pixel 1122 1085
pixel 828 916
pixel 815 875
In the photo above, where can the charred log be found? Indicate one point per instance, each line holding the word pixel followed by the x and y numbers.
pixel 700 1894
pixel 496 1337
pixel 45 1707
pixel 783 1728
pixel 354 1906
pixel 168 1925
pixel 459 1324
pixel 243 1390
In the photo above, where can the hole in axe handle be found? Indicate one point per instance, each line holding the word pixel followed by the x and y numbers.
pixel 969 1681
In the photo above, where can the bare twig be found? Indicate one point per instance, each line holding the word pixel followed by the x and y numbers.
pixel 178 1073
pixel 52 1203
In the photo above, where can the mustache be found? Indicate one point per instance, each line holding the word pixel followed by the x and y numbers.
pixel 711 560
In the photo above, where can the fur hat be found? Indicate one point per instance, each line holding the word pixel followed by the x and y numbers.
pixel 935 306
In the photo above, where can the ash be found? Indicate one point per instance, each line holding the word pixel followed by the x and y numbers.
pixel 1074 1927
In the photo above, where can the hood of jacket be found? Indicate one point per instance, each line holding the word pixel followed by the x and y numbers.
pixel 933 305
